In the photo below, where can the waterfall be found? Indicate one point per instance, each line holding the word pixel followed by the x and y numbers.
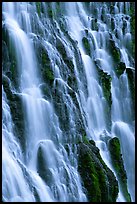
pixel 55 59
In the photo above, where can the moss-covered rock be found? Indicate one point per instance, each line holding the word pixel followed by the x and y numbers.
pixel 98 180
pixel 120 68
pixel 9 62
pixel 38 6
pixel 16 107
pixel 45 64
pixel 105 82
pixel 114 50
pixel 62 50
pixel 50 11
pixel 5 57
pixel 86 45
pixel 94 24
pixel 131 80
pixel 132 23
pixel 117 161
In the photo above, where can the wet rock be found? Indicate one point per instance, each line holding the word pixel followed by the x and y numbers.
pixel 94 24
pixel 46 91
pixel 114 50
pixel 112 23
pixel 42 169
pixel 131 80
pixel 120 68
pixel 45 66
pixel 112 9
pixel 16 107
pixel 86 44
pixel 105 82
pixel 98 180
pixel 117 161
pixel 5 57
pixel 38 6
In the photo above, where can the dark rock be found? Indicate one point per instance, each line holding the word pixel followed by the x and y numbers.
pixel 112 9
pixel 131 80
pixel 38 6
pixel 112 23
pixel 16 107
pixel 86 44
pixel 117 161
pixel 120 68
pixel 114 50
pixel 42 168
pixel 105 82
pixel 46 91
pixel 45 66
pixel 98 180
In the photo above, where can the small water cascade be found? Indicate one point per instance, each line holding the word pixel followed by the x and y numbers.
pixel 58 52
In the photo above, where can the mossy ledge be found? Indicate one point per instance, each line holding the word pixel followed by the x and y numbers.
pixel 131 80
pixel 120 68
pixel 98 180
pixel 86 45
pixel 117 161
pixel 105 81
pixel 115 52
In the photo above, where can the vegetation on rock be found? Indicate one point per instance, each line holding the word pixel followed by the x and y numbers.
pixel 131 81
pixel 105 82
pixel 114 50
pixel 15 103
pixel 86 44
pixel 120 68
pixel 98 179
pixel 117 161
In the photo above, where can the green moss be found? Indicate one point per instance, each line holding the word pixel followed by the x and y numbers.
pixel 46 69
pixel 61 48
pixel 98 180
pixel 114 50
pixel 72 82
pixel 86 45
pixel 120 68
pixel 117 161
pixel 84 139
pixel 49 10
pixel 131 81
pixel 49 75
pixel 90 177
pixel 105 82
pixel 58 9
pixel 38 6
pixel 45 57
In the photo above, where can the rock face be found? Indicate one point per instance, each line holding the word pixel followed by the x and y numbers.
pixel 114 50
pixel 98 180
pixel 120 68
pixel 131 80
pixel 86 45
pixel 117 161
pixel 105 82
pixel 16 107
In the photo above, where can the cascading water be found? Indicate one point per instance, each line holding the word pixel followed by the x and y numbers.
pixel 55 79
